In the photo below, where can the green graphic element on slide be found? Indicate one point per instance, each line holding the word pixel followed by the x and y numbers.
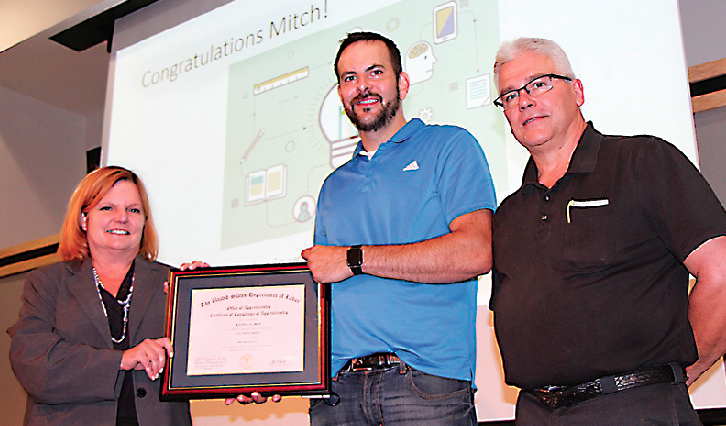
pixel 287 130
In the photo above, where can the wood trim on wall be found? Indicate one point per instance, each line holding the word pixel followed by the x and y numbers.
pixel 709 101
pixel 30 255
pixel 706 70
pixel 702 72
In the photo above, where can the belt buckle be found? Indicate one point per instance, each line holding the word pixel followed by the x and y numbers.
pixel 373 362
pixel 551 395
pixel 551 389
pixel 356 364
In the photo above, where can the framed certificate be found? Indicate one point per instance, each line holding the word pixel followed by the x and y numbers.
pixel 244 329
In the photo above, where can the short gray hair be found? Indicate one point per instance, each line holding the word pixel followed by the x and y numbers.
pixel 510 50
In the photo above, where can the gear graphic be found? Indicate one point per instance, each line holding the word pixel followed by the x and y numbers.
pixel 426 114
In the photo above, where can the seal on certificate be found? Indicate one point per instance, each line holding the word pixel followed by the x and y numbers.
pixel 246 361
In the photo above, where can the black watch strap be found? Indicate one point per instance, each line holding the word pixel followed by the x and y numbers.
pixel 354 257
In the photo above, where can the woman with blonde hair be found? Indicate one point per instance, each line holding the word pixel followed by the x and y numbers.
pixel 87 345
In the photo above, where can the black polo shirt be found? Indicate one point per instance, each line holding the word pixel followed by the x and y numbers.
pixel 588 277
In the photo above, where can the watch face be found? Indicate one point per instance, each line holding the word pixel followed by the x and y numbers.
pixel 354 256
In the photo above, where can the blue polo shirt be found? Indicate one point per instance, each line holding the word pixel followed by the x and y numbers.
pixel 409 191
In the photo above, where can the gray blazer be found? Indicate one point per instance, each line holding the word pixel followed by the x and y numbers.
pixel 63 355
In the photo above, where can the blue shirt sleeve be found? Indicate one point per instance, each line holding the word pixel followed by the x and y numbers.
pixel 465 183
pixel 319 236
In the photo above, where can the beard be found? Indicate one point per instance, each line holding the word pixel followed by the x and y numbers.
pixel 384 117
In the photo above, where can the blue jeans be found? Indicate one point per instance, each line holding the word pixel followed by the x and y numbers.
pixel 397 396
pixel 656 404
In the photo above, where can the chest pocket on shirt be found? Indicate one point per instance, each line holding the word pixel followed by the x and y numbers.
pixel 590 234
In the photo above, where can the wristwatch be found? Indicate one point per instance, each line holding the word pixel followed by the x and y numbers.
pixel 354 257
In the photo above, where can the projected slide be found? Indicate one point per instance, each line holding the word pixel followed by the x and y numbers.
pixel 286 128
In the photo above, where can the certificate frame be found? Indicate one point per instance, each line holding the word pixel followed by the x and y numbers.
pixel 314 379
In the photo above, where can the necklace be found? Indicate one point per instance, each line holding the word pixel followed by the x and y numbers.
pixel 125 304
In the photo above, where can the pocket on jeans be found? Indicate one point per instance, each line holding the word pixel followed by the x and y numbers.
pixel 432 387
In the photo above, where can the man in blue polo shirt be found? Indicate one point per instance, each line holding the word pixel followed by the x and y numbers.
pixel 402 231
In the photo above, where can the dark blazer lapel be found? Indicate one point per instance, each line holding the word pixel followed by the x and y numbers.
pixel 146 286
pixel 81 284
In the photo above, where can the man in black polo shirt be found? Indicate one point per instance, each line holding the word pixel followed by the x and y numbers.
pixel 591 260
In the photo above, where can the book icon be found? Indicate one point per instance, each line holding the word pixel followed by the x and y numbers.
pixel 263 185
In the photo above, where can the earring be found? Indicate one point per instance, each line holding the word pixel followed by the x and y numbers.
pixel 83 222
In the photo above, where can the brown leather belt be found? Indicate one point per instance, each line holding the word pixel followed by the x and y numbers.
pixel 564 396
pixel 379 361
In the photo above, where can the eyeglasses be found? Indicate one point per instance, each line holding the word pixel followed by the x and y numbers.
pixel 535 87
